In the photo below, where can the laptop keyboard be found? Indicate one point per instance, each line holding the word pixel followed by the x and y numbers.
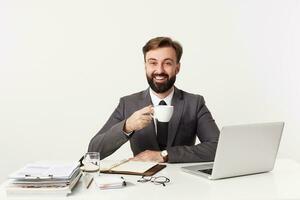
pixel 206 171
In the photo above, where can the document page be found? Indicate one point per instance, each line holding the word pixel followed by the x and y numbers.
pixel 45 170
pixel 134 166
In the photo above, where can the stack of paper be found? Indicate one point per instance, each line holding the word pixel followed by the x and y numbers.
pixel 110 182
pixel 45 177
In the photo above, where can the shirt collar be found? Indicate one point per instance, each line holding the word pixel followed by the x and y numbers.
pixel 155 100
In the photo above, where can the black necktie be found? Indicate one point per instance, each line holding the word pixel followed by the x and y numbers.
pixel 162 131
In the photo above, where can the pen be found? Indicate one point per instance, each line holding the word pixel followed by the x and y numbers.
pixel 80 161
pixel 124 182
pixel 89 183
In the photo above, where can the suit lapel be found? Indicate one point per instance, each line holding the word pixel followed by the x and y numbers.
pixel 149 130
pixel 145 99
pixel 178 103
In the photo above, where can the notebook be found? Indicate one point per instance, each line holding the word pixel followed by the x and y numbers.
pixel 130 167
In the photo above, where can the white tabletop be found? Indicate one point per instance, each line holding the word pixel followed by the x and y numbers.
pixel 282 183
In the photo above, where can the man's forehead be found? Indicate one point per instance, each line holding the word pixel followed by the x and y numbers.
pixel 161 54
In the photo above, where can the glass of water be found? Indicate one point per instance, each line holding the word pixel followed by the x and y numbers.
pixel 91 162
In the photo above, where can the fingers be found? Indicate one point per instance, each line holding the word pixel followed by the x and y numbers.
pixel 142 123
pixel 140 157
pixel 135 159
pixel 139 119
pixel 146 117
pixel 148 155
pixel 146 110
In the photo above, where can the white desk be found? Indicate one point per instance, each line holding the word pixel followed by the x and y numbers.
pixel 282 183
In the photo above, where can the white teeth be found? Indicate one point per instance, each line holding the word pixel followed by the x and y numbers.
pixel 159 77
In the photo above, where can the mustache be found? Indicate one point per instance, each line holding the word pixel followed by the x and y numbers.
pixel 161 74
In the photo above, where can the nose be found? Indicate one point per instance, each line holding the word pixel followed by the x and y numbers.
pixel 160 68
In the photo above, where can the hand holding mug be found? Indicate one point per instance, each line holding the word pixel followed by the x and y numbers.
pixel 139 119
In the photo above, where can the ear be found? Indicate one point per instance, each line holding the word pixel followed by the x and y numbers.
pixel 177 68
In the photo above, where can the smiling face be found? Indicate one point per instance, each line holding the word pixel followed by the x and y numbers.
pixel 161 68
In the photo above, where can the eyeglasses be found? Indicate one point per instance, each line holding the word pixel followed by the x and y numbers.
pixel 158 180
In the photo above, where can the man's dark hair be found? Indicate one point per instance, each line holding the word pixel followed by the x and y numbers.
pixel 159 42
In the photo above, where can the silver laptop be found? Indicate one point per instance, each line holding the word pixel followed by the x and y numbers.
pixel 242 150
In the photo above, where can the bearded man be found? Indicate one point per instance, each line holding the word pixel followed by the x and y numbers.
pixel 151 140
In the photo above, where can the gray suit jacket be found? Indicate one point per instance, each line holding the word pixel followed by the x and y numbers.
pixel 190 118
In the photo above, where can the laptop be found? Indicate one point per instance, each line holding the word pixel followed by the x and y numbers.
pixel 242 150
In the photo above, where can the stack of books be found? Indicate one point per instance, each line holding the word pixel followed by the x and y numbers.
pixel 44 177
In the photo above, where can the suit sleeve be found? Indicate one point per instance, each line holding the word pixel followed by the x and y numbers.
pixel 208 134
pixel 111 136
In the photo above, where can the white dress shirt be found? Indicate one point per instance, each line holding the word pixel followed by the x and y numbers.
pixel 155 100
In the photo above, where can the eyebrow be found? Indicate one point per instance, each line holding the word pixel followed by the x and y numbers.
pixel 170 59
pixel 153 59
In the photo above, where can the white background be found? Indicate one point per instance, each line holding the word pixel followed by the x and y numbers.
pixel 65 64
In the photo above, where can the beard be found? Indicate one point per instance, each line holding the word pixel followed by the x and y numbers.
pixel 161 87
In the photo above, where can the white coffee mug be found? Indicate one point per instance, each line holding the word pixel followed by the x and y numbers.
pixel 163 113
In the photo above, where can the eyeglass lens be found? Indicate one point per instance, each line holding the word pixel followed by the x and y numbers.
pixel 156 180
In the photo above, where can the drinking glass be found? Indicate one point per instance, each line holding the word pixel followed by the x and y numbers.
pixel 91 162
